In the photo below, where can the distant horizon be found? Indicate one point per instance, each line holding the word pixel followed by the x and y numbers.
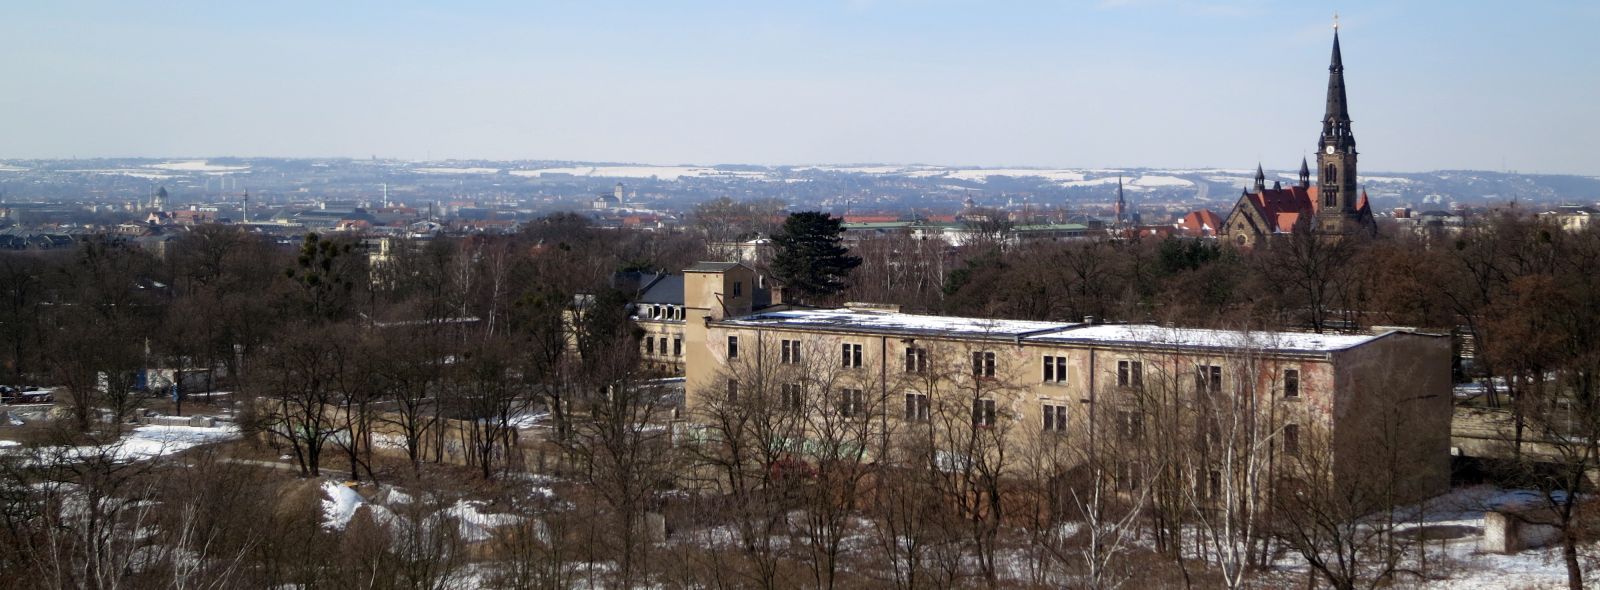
pixel 1265 165
pixel 1472 85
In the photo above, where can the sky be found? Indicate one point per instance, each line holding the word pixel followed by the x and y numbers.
pixel 1093 83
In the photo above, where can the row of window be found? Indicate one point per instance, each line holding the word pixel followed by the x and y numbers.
pixel 851 403
pixel 1130 373
pixel 651 346
pixel 1207 378
pixel 661 312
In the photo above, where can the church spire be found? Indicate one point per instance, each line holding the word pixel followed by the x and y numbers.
pixel 1305 173
pixel 1261 178
pixel 1336 97
pixel 1122 205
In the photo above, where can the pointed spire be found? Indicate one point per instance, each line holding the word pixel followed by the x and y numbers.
pixel 1261 178
pixel 1122 205
pixel 1305 173
pixel 1337 108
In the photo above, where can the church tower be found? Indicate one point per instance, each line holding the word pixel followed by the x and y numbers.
pixel 1336 155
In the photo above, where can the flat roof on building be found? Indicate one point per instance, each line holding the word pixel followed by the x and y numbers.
pixel 1064 333
pixel 895 323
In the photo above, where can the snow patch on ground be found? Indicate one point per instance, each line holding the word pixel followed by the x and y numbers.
pixel 475 525
pixel 341 504
pixel 142 443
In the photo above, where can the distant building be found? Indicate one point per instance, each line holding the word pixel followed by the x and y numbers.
pixel 1573 218
pixel 1200 224
pixel 1334 207
pixel 1432 224
pixel 611 201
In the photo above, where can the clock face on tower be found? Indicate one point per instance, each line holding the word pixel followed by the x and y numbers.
pixel 1330 150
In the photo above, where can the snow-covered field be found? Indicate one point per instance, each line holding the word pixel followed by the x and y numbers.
pixel 1457 559
pixel 197 166
pixel 448 170
pixel 1151 181
pixel 982 175
pixel 657 172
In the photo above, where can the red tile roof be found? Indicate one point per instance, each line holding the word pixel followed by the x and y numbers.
pixel 1201 223
pixel 1283 206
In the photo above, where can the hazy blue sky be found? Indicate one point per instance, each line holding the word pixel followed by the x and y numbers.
pixel 1445 84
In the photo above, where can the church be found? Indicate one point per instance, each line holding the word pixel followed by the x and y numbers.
pixel 1334 207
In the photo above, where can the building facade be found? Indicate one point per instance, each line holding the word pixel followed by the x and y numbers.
pixel 1023 383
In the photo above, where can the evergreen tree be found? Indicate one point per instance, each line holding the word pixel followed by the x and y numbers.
pixel 809 258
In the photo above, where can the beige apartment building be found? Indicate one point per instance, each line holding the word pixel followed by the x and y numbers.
pixel 1354 399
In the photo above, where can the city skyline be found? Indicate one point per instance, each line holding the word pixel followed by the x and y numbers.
pixel 1118 83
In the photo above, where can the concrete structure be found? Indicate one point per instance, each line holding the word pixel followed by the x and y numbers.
pixel 1359 398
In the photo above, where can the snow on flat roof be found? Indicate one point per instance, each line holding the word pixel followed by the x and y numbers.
pixel 895 322
pixel 1050 332
pixel 1196 337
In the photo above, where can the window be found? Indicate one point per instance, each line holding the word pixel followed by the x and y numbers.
pixel 851 358
pixel 916 360
pixel 983 364
pixel 733 391
pixel 663 347
pixel 793 396
pixel 1291 383
pixel 1128 476
pixel 1055 369
pixel 791 352
pixel 1130 425
pixel 649 345
pixel 1130 374
pixel 983 413
pixel 738 288
pixel 733 347
pixel 677 346
pixel 1214 484
pixel 916 407
pixel 851 404
pixel 1291 439
pixel 1208 379
pixel 1055 418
